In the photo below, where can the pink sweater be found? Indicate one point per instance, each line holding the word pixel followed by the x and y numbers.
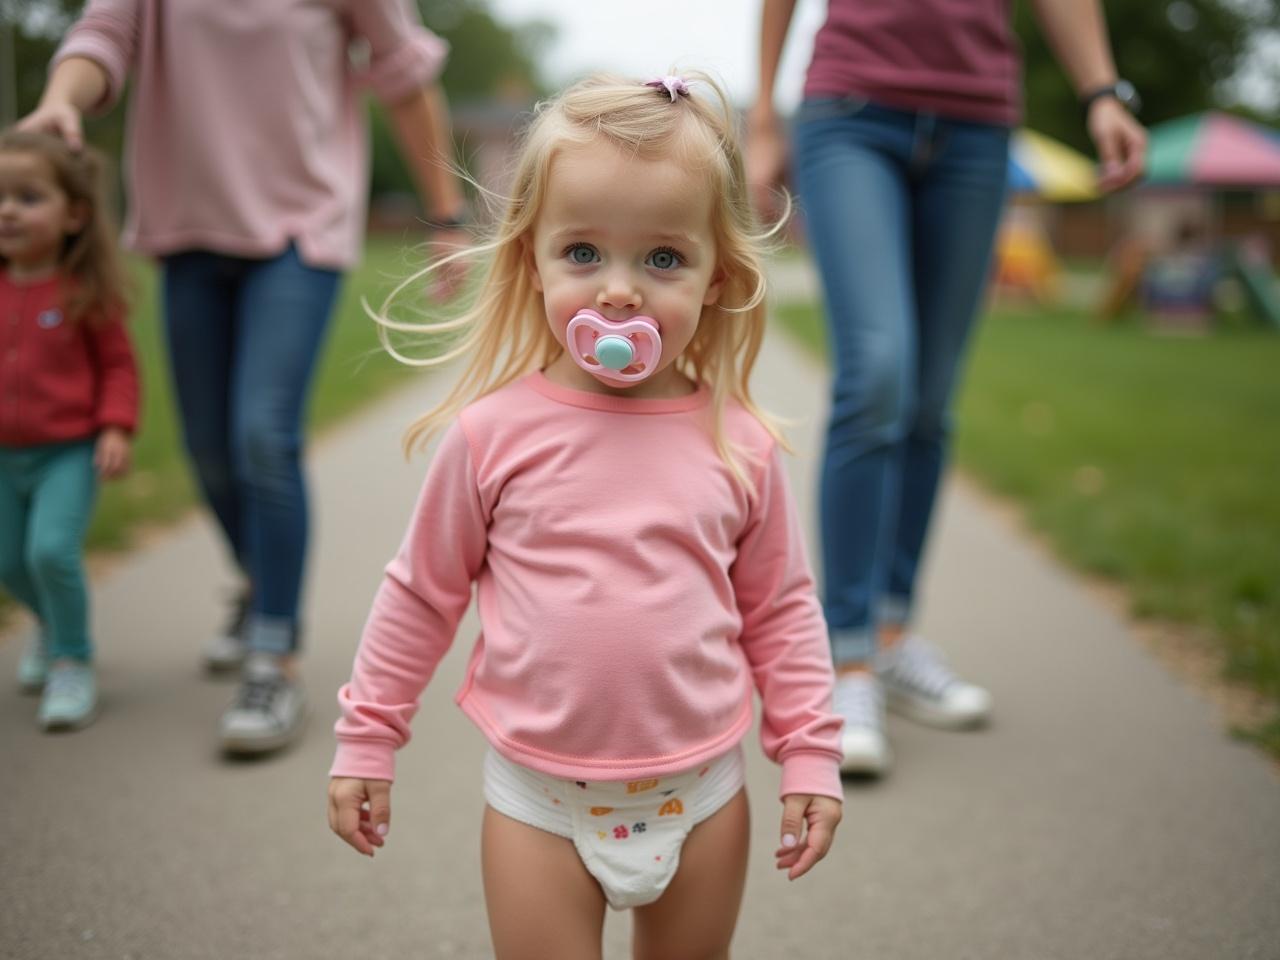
pixel 245 129
pixel 630 590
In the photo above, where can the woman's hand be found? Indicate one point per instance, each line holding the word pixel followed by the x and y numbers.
pixel 821 816
pixel 360 811
pixel 1121 142
pixel 447 281
pixel 766 162
pixel 112 452
pixel 57 117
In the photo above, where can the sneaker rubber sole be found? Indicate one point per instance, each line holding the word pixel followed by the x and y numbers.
pixel 931 714
pixel 66 725
pixel 247 746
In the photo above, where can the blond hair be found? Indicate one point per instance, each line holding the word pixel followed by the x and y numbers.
pixel 90 258
pixel 505 329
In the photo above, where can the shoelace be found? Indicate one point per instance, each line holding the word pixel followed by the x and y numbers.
pixel 63 683
pixel 859 702
pixel 921 667
pixel 257 693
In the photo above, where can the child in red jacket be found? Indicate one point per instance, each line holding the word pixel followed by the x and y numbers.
pixel 68 402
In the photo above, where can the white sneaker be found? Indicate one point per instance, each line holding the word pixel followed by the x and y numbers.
pixel 859 700
pixel 33 664
pixel 918 684
pixel 225 651
pixel 70 698
pixel 268 711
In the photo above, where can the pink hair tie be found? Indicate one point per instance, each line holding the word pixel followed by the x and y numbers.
pixel 674 85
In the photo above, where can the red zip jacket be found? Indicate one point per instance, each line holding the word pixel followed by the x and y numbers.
pixel 60 380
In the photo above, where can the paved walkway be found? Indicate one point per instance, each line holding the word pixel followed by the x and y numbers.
pixel 1104 815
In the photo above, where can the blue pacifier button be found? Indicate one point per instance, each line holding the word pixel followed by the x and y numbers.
pixel 614 352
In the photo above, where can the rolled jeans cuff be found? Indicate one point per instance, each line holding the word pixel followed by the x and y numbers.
pixel 894 611
pixel 274 635
pixel 853 646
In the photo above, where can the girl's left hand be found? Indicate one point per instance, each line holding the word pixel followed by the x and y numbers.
pixel 821 815
pixel 111 453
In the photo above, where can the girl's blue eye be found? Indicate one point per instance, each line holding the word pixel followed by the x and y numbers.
pixel 581 253
pixel 664 259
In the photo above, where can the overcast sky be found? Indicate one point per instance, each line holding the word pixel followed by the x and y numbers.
pixel 645 37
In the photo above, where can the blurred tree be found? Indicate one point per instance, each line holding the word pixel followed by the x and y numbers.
pixel 1180 54
pixel 488 60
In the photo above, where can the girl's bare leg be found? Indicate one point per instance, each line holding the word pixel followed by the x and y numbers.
pixel 695 918
pixel 542 902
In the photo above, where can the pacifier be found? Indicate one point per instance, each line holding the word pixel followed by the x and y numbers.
pixel 617 353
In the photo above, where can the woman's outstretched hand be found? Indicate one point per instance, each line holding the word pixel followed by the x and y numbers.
pixel 360 812
pixel 818 817
pixel 59 118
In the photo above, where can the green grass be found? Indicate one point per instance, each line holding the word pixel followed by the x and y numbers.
pixel 353 371
pixel 1152 461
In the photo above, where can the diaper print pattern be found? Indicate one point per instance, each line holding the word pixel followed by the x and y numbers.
pixel 621 832
pixel 672 808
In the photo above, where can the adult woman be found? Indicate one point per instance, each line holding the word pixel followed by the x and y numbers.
pixel 246 172
pixel 901 157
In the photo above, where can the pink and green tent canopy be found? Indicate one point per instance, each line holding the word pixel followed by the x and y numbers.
pixel 1213 150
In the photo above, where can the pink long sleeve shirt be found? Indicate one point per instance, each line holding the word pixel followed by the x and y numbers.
pixel 245 130
pixel 630 591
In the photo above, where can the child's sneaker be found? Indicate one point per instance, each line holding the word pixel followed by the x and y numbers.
pixel 33 665
pixel 919 685
pixel 859 700
pixel 225 651
pixel 70 697
pixel 267 712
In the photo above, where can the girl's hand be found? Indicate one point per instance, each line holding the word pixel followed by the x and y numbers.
pixel 59 118
pixel 1121 142
pixel 821 815
pixel 360 811
pixel 111 453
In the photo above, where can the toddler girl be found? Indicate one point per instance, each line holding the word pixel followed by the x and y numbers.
pixel 608 483
pixel 68 402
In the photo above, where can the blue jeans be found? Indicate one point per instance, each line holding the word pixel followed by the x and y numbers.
pixel 46 502
pixel 901 209
pixel 243 336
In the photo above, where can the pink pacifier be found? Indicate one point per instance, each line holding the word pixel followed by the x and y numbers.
pixel 617 353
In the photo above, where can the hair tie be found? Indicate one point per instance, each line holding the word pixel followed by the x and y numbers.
pixel 675 85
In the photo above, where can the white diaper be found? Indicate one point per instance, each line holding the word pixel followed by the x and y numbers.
pixel 628 834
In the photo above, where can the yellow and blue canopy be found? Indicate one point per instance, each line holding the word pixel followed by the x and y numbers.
pixel 1049 169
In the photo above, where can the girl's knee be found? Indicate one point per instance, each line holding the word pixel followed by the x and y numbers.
pixel 54 560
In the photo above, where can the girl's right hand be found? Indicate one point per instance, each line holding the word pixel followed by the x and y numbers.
pixel 360 811
pixel 59 118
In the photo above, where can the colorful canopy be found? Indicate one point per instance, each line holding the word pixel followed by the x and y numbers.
pixel 1049 169
pixel 1214 150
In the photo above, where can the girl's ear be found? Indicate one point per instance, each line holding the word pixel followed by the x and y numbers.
pixel 530 262
pixel 715 287
pixel 78 215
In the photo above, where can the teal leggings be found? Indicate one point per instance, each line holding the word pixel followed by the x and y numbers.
pixel 46 499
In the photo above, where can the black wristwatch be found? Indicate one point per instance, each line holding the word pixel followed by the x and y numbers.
pixel 1122 90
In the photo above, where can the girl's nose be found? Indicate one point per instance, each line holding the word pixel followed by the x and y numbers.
pixel 619 292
